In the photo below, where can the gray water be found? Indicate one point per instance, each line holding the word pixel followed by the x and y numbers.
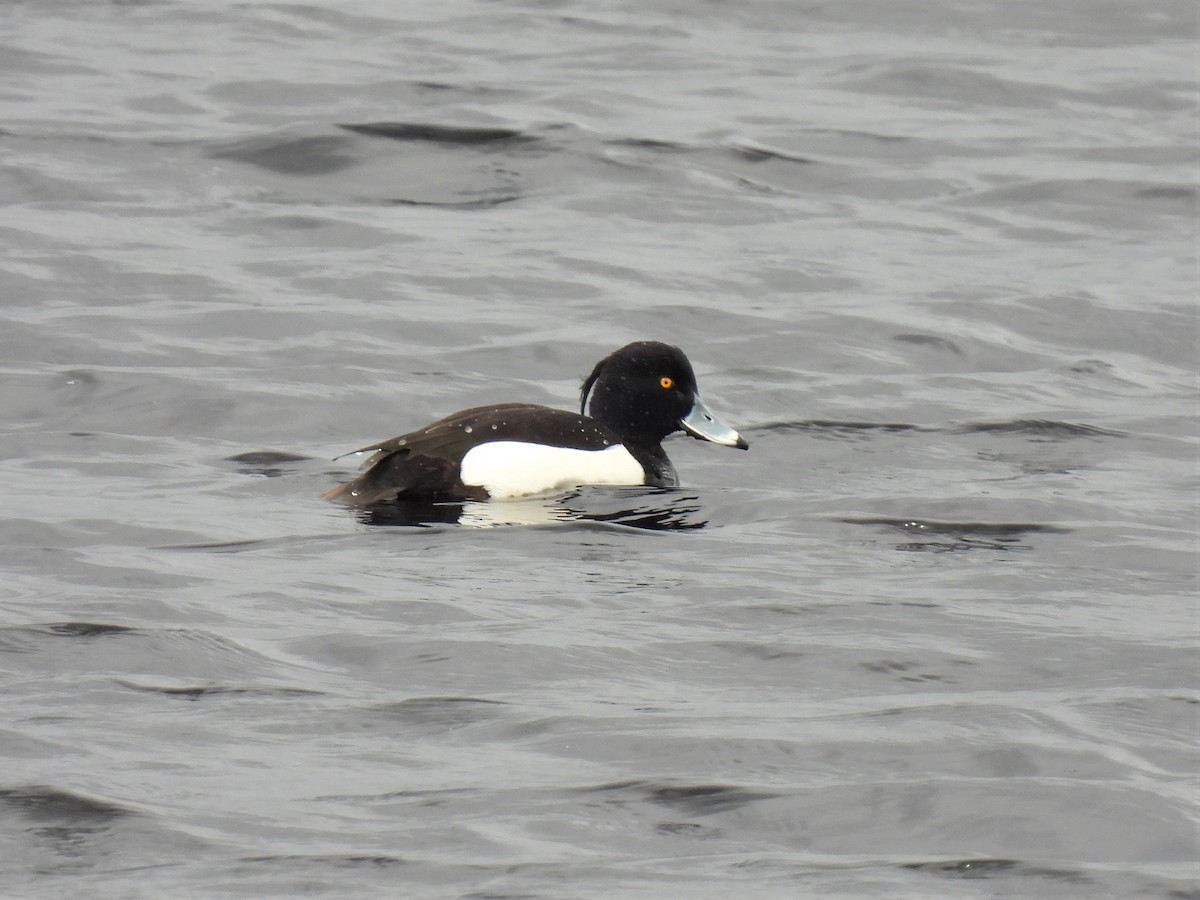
pixel 932 636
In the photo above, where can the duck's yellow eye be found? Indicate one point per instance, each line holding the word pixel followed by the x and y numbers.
pixel 667 382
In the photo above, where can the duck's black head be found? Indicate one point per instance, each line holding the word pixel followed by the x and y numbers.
pixel 647 390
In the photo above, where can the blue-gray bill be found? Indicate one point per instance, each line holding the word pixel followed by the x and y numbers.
pixel 701 423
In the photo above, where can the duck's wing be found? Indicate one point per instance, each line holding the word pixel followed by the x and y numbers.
pixel 426 464
pixel 457 430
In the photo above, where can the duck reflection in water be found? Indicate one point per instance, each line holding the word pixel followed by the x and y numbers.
pixel 652 510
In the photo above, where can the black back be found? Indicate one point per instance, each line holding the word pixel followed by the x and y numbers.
pixel 427 464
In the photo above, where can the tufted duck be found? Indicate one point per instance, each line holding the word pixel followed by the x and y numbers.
pixel 638 395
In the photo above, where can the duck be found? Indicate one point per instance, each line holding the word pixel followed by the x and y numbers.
pixel 633 399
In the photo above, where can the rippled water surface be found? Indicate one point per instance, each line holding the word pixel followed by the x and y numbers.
pixel 933 636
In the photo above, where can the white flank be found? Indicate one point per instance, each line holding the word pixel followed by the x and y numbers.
pixel 518 469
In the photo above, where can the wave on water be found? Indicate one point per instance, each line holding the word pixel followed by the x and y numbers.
pixel 32 638
pixel 942 536
pixel 84 629
pixel 446 135
pixel 322 861
pixel 47 803
pixel 442 712
pixel 1040 428
pixel 830 426
pixel 266 463
pixel 988 868
pixel 452 165
pixel 201 692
